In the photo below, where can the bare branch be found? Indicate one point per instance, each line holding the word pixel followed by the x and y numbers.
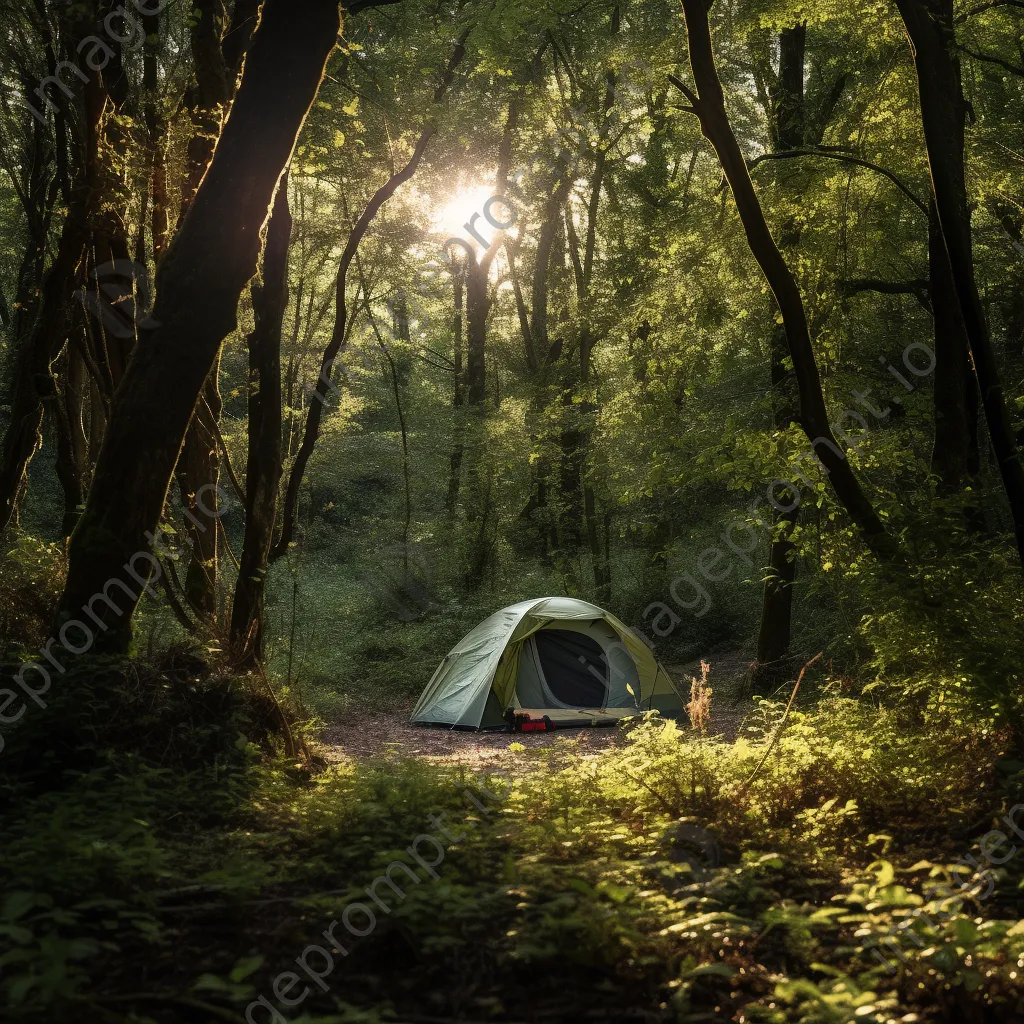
pixel 847 158
pixel 982 8
pixel 989 58
pixel 685 90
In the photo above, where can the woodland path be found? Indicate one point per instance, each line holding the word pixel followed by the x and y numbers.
pixel 367 733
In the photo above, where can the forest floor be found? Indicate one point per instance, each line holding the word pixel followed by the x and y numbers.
pixel 371 733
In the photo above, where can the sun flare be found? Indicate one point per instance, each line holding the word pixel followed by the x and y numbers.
pixel 452 217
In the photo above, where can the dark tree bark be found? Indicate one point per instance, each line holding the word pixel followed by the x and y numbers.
pixel 314 417
pixel 263 468
pixel 954 380
pixel 42 328
pixel 198 469
pixel 479 502
pixel 708 104
pixel 33 383
pixel 66 409
pixel 212 258
pixel 929 25
pixel 209 97
pixel 787 120
pixel 540 286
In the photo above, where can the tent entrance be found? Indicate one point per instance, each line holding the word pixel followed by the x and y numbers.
pixel 573 667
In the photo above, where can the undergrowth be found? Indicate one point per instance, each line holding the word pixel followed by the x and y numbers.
pixel 175 875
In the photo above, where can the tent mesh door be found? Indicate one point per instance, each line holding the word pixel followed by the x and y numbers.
pixel 574 667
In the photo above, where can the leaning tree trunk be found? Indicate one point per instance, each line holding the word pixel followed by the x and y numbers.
pixel 708 104
pixel 929 24
pixel 212 258
pixel 263 467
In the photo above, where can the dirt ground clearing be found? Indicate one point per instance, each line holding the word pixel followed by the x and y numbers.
pixel 367 733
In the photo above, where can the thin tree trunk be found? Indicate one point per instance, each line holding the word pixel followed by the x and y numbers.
pixel 198 473
pixel 263 468
pixel 578 491
pixel 477 308
pixel 775 629
pixel 212 257
pixel 403 333
pixel 458 399
pixel 929 24
pixel 951 449
pixel 66 407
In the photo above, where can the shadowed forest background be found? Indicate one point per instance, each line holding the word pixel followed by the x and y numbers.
pixel 328 331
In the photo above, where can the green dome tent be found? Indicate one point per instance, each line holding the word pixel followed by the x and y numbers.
pixel 554 656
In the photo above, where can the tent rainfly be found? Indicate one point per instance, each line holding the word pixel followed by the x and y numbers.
pixel 554 656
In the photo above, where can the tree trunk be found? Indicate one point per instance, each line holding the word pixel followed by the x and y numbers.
pixel 477 308
pixel 929 24
pixel 66 419
pixel 709 107
pixel 32 380
pixel 788 120
pixel 198 469
pixel 951 450
pixel 263 467
pixel 578 496
pixel 198 473
pixel 539 525
pixel 211 259
pixel 455 461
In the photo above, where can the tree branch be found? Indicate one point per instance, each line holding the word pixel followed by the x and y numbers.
pixel 686 91
pixel 990 59
pixel 918 287
pixel 982 8
pixel 847 158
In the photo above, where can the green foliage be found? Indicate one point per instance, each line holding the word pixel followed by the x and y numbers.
pixel 575 873
pixel 31 576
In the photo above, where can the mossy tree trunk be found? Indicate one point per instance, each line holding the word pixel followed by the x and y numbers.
pixel 263 467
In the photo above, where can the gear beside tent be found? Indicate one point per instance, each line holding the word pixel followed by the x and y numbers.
pixel 554 657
